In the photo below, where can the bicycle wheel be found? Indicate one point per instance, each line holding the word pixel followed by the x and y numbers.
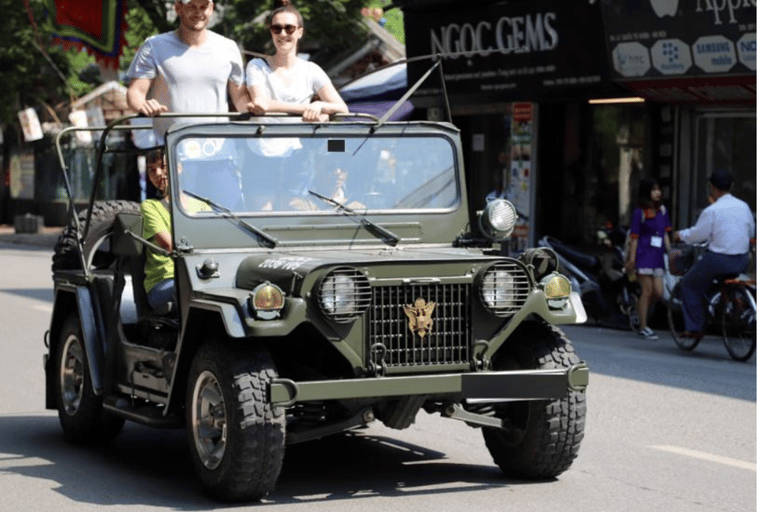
pixel 739 321
pixel 676 321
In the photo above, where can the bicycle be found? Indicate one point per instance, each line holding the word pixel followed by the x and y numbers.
pixel 731 309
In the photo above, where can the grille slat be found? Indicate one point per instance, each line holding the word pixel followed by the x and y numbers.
pixel 447 343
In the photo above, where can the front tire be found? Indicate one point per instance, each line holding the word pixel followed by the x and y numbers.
pixel 81 412
pixel 541 438
pixel 236 438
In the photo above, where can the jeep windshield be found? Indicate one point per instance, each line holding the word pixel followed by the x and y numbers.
pixel 271 175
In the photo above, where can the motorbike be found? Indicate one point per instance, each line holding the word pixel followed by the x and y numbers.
pixel 608 293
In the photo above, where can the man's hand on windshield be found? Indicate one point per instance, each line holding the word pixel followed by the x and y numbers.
pixel 151 108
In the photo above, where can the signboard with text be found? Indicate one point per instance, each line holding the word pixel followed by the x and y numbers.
pixel 519 49
pixel 695 42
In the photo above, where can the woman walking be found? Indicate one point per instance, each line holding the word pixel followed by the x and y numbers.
pixel 649 239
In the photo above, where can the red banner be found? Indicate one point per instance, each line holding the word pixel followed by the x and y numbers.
pixel 96 25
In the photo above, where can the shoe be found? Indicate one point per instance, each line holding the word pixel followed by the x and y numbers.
pixel 648 334
pixel 692 334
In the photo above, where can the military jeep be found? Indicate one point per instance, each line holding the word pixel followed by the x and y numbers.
pixel 332 279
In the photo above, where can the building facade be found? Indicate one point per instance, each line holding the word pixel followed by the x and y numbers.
pixel 567 105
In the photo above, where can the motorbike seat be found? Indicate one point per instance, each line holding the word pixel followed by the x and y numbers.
pixel 580 259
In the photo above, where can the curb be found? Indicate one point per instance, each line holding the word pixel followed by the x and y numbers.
pixel 47 237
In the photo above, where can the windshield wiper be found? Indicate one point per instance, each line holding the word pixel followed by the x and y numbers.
pixel 265 239
pixel 384 234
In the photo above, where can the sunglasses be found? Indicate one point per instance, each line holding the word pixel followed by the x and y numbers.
pixel 277 29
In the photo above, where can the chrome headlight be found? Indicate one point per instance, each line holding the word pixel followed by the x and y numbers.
pixel 344 295
pixel 557 289
pixel 504 288
pixel 542 260
pixel 498 219
pixel 266 301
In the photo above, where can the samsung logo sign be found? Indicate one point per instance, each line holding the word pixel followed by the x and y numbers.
pixel 519 34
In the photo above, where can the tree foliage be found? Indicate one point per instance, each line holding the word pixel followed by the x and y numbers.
pixel 38 74
pixel 35 74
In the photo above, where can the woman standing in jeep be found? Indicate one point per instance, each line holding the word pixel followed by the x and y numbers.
pixel 284 82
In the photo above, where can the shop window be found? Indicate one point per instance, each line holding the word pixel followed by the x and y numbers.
pixel 618 163
pixel 725 140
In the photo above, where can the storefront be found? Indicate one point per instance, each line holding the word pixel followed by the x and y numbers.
pixel 522 78
pixel 699 56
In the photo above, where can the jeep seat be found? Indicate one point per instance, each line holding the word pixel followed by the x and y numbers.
pixel 133 252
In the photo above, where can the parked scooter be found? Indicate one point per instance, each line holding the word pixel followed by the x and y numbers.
pixel 608 294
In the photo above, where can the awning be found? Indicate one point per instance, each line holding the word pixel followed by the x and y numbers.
pixel 376 92
pixel 389 82
pixel 379 108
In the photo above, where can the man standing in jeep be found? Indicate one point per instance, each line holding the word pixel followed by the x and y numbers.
pixel 188 70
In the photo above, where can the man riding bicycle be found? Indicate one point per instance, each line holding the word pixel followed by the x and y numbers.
pixel 726 225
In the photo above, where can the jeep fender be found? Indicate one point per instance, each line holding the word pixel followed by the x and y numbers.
pixel 79 297
pixel 230 315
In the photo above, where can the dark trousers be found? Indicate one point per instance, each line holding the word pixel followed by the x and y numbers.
pixel 697 281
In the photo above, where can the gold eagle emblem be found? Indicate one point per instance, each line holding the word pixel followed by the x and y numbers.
pixel 420 317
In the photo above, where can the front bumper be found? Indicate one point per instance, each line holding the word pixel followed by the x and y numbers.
pixel 507 385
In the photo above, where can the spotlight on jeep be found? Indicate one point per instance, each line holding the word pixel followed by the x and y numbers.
pixel 498 220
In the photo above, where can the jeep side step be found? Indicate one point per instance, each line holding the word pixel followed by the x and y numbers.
pixel 145 414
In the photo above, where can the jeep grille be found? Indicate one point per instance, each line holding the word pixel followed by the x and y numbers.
pixel 390 340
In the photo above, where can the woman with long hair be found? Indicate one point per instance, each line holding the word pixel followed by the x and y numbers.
pixel 284 82
pixel 649 239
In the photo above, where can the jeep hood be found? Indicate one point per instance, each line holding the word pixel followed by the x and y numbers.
pixel 283 267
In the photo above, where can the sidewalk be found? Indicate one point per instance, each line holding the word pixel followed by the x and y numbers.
pixel 46 237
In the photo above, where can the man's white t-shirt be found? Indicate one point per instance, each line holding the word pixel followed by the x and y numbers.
pixel 188 79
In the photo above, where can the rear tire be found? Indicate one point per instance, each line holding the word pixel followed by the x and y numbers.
pixel 677 322
pixel 541 438
pixel 97 245
pixel 236 438
pixel 739 322
pixel 81 413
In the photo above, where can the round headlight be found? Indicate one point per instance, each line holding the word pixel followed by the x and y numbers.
pixel 504 289
pixel 266 301
pixel 344 294
pixel 542 260
pixel 498 219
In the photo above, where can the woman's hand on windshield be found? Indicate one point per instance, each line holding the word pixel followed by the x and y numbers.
pixel 314 113
pixel 258 106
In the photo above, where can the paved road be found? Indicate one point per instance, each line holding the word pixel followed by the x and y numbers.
pixel 666 430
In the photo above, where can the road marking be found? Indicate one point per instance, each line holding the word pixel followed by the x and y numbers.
pixel 708 457
pixel 43 307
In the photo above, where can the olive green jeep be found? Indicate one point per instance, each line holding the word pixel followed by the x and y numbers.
pixel 331 280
